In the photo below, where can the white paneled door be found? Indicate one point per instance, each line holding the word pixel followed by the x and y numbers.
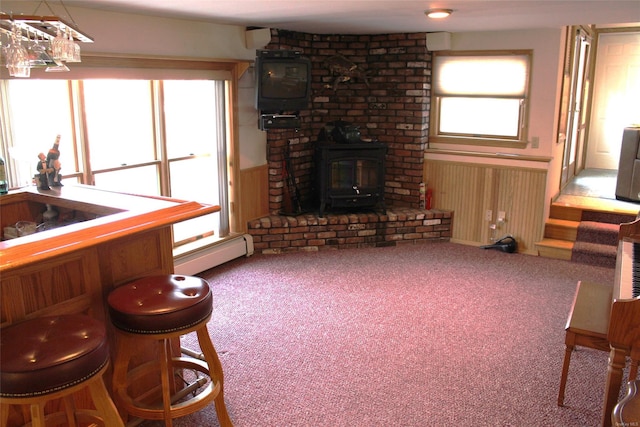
pixel 616 95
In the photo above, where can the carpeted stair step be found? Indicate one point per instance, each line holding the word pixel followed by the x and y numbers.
pixel 596 243
pixel 594 254
pixel 608 217
pixel 598 232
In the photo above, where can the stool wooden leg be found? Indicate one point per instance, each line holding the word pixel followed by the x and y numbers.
pixel 216 374
pixel 37 415
pixel 70 410
pixel 125 348
pixel 166 370
pixel 4 414
pixel 104 404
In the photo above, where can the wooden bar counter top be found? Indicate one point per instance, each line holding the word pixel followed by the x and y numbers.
pixel 108 239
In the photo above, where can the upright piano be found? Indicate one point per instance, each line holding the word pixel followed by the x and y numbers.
pixel 624 321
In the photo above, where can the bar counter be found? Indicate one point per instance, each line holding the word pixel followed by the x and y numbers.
pixel 113 238
pixel 117 215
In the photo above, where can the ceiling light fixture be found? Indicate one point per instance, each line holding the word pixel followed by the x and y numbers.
pixel 438 13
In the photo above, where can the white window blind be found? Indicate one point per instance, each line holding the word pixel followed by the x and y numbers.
pixel 480 98
pixel 481 75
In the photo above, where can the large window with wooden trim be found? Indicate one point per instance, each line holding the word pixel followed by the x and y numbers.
pixel 145 136
pixel 480 98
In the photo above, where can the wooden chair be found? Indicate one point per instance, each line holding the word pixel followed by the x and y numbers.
pixel 587 324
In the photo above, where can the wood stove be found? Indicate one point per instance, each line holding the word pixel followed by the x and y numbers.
pixel 350 175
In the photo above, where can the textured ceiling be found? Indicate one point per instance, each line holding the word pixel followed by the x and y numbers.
pixel 377 16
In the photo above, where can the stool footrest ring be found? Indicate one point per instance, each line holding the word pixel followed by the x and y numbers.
pixel 155 411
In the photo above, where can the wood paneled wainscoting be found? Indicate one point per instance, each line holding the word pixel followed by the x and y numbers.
pixel 254 195
pixel 471 190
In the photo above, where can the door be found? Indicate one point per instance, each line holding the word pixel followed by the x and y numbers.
pixel 577 100
pixel 616 94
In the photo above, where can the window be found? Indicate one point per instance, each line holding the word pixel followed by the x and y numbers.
pixel 480 98
pixel 151 137
pixel 38 111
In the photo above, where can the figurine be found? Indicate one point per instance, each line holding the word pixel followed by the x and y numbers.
pixel 43 173
pixel 53 164
pixel 57 177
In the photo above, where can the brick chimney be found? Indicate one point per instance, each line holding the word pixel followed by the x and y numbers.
pixel 387 95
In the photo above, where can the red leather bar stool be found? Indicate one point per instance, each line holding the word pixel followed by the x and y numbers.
pixel 51 358
pixel 161 309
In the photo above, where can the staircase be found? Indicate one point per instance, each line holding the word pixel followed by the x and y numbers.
pixel 584 235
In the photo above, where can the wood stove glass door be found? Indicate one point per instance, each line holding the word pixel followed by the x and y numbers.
pixel 347 174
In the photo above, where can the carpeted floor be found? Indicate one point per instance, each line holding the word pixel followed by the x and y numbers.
pixel 414 335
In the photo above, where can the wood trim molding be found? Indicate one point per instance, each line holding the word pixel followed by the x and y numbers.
pixel 110 60
pixel 487 155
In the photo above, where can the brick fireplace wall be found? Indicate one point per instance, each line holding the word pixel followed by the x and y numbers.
pixel 389 101
pixel 391 105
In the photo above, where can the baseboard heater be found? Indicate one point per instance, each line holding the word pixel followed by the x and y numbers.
pixel 214 255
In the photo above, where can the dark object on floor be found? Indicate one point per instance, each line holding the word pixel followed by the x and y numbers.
pixel 506 244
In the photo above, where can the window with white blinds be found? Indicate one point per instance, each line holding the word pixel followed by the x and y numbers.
pixel 480 98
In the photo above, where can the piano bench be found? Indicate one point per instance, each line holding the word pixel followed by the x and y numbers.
pixel 587 324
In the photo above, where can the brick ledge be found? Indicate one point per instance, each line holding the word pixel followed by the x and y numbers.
pixel 308 232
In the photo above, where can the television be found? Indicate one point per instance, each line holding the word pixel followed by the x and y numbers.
pixel 283 81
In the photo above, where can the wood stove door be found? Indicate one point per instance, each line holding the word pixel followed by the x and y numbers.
pixel 353 177
pixel 354 183
pixel 350 175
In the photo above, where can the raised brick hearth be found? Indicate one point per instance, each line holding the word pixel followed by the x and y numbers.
pixel 278 233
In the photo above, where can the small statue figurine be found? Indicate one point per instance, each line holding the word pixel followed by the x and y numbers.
pixel 53 164
pixel 57 177
pixel 43 172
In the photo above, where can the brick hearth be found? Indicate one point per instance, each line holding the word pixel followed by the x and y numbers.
pixel 278 233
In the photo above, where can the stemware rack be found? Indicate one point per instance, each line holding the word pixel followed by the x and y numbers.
pixel 46 27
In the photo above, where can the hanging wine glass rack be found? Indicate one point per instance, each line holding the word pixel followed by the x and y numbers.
pixel 44 26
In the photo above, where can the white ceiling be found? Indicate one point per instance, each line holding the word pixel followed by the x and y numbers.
pixel 379 16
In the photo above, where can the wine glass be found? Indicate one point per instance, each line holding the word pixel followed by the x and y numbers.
pixel 58 46
pixel 17 55
pixel 36 52
pixel 72 49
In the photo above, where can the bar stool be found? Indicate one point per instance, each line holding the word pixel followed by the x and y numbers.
pixel 161 309
pixel 51 358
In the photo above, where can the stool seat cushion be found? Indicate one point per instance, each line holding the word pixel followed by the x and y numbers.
pixel 48 354
pixel 160 304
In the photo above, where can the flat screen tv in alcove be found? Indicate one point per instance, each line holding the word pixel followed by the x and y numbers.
pixel 283 81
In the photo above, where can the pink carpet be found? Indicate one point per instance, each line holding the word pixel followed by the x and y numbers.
pixel 437 334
